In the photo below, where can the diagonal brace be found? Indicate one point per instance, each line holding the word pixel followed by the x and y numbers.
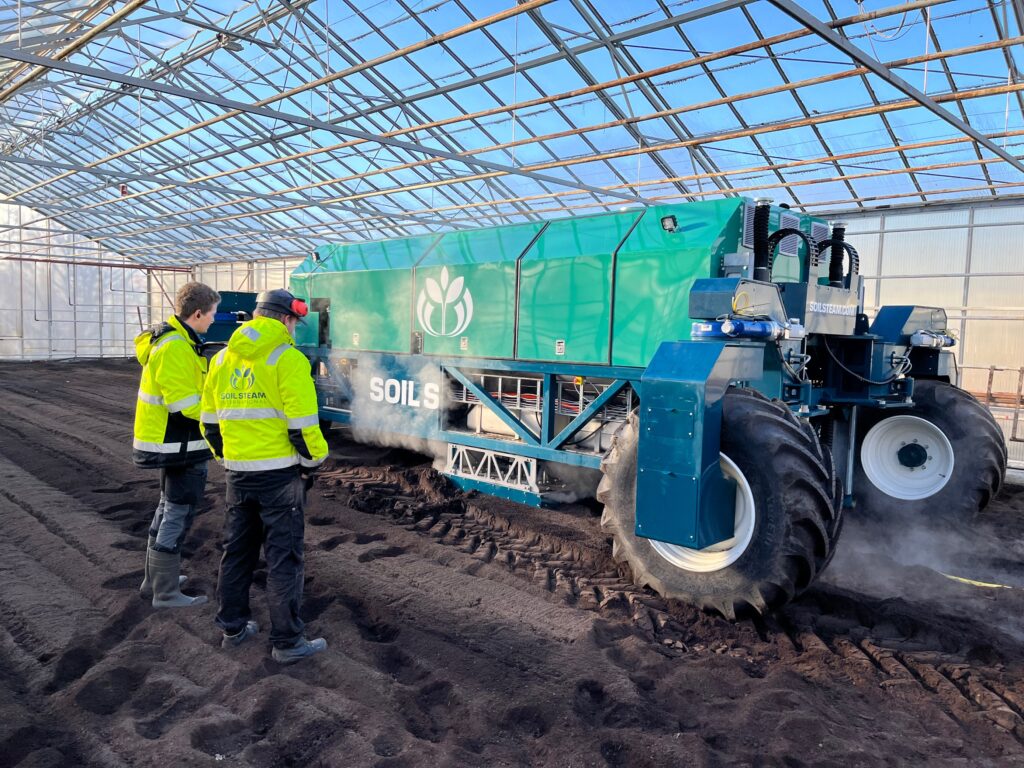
pixel 836 40
pixel 587 414
pixel 500 410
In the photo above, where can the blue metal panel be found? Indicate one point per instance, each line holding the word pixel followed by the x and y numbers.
pixel 339 417
pixel 896 324
pixel 861 370
pixel 547 417
pixel 501 491
pixel 227 320
pixel 682 496
pixel 390 391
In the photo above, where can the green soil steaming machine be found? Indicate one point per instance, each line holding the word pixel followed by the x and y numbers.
pixel 706 367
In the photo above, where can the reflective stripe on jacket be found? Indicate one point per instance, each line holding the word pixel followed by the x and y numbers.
pixel 170 392
pixel 259 408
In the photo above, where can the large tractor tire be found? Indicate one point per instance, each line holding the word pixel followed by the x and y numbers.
pixel 943 458
pixel 786 520
pixel 834 525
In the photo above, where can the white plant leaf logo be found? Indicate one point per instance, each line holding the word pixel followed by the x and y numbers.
pixel 455 303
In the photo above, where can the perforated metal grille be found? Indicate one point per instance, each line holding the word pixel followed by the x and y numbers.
pixel 748 225
pixel 790 246
pixel 819 231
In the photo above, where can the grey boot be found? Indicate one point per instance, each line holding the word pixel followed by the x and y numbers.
pixel 235 640
pixel 146 587
pixel 165 576
pixel 303 649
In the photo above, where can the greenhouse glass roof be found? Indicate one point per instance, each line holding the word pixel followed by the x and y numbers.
pixel 178 131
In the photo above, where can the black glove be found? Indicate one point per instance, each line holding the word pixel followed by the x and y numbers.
pixel 308 478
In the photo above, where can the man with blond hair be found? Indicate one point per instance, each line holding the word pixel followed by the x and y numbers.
pixel 167 435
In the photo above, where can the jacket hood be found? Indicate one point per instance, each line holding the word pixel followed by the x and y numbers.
pixel 145 340
pixel 255 339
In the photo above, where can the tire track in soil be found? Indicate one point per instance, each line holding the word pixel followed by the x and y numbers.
pixel 82 674
pixel 75 471
pixel 590 580
pixel 62 423
pixel 415 658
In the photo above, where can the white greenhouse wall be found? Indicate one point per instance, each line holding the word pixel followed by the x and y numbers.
pixel 969 260
pixel 57 310
pixel 250 276
pixel 54 310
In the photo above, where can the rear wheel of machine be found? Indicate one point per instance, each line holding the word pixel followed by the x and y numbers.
pixel 786 523
pixel 945 457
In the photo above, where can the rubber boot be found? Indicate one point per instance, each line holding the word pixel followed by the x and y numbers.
pixel 146 587
pixel 303 649
pixel 165 576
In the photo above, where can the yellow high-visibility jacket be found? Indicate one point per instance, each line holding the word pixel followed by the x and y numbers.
pixel 167 410
pixel 259 408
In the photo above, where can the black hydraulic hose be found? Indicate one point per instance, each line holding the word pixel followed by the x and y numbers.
pixel 762 255
pixel 780 235
pixel 835 264
pixel 854 257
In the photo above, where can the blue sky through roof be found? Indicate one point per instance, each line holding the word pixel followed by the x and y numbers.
pixel 595 144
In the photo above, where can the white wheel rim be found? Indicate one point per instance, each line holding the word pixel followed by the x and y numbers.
pixel 725 553
pixel 907 457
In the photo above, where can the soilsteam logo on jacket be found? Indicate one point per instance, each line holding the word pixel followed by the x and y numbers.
pixel 454 301
pixel 243 378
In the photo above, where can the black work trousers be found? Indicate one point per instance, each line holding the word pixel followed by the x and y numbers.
pixel 263 509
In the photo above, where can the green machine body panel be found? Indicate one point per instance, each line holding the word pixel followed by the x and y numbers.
pixel 370 290
pixel 565 289
pixel 466 292
pixel 606 289
pixel 307 332
pixel 655 269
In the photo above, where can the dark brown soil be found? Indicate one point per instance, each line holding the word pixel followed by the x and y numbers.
pixel 464 631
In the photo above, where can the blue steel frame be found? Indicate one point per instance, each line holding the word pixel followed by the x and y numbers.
pixel 678 457
pixel 546 446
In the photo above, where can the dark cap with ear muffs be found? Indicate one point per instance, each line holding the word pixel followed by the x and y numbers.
pixel 280 300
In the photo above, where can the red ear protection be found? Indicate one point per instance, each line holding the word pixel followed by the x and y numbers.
pixel 299 308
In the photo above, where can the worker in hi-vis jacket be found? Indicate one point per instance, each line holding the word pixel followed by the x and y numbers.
pixel 260 418
pixel 167 435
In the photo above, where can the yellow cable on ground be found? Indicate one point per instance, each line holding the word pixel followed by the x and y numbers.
pixel 974 583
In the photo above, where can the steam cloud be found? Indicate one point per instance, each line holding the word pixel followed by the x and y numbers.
pixel 389 425
pixel 899 558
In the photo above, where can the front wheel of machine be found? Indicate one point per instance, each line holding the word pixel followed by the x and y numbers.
pixel 944 457
pixel 784 530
